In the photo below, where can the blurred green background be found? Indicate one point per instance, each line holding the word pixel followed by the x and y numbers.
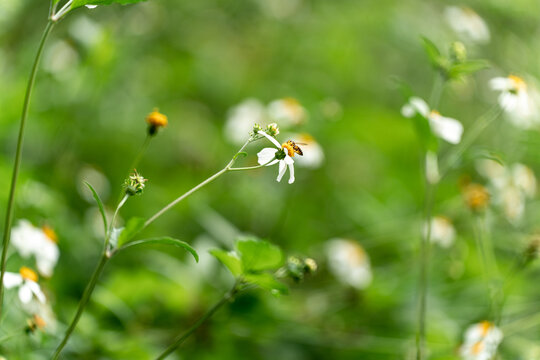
pixel 105 69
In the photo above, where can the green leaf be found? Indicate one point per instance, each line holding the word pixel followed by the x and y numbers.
pixel 258 255
pixel 133 226
pixel 100 205
pixel 268 282
pixel 165 240
pixel 79 3
pixel 467 68
pixel 229 259
pixel 240 154
pixel 433 52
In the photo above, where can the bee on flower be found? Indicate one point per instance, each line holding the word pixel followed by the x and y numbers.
pixel 481 341
pixel 349 263
pixel 26 282
pixel 466 21
pixel 282 154
pixel 446 128
pixel 443 232
pixel 156 120
pixel 42 243
pixel 313 154
pixel 517 99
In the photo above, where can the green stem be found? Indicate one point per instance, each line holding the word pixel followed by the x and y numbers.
pixel 18 154
pixel 424 269
pixel 436 91
pixel 82 304
pixel 181 338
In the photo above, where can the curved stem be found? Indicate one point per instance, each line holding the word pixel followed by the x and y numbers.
pixel 18 154
pixel 82 304
pixel 181 338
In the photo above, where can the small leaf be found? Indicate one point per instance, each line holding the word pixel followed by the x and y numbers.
pixel 79 3
pixel 100 205
pixel 133 226
pixel 467 68
pixel 432 52
pixel 268 282
pixel 258 255
pixel 229 259
pixel 163 241
pixel 240 154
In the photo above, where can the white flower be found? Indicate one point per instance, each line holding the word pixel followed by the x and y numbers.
pixel 313 154
pixel 516 100
pixel 481 341
pixel 241 118
pixel 349 262
pixel 446 128
pixel 467 22
pixel 30 240
pixel 281 155
pixel 287 112
pixel 26 281
pixel 442 231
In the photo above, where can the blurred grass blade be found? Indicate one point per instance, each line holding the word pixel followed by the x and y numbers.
pixel 100 205
pixel 165 240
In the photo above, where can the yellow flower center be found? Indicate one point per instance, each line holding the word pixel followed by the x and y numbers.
pixel 157 119
pixel 484 327
pixel 518 83
pixel 476 197
pixel 477 347
pixel 38 320
pixel 435 113
pixel 28 273
pixel 289 148
pixel 49 232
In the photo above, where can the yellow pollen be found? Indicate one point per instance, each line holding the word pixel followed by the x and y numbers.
pixel 477 347
pixel 28 274
pixel 289 148
pixel 38 320
pixel 49 232
pixel 157 119
pixel 476 197
pixel 485 326
pixel 519 83
pixel 435 112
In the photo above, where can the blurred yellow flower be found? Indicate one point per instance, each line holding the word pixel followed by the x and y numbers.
pixel 155 121
pixel 476 197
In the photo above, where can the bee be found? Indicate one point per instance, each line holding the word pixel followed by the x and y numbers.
pixel 295 147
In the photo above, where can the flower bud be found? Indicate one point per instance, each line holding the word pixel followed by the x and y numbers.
pixel 272 129
pixel 297 268
pixel 155 120
pixel 458 52
pixel 134 184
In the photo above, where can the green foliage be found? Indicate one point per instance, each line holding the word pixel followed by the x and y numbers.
pixel 100 205
pixel 229 259
pixel 165 240
pixel 79 3
pixel 469 67
pixel 133 226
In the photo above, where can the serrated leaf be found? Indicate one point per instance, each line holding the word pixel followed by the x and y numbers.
pixel 258 255
pixel 79 3
pixel 133 226
pixel 100 205
pixel 229 259
pixel 467 68
pixel 165 240
pixel 268 282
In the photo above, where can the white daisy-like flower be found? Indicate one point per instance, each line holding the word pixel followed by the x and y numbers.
pixel 312 152
pixel 241 118
pixel 443 232
pixel 41 243
pixel 287 112
pixel 467 22
pixel 281 155
pixel 349 263
pixel 26 281
pixel 517 100
pixel 481 341
pixel 446 128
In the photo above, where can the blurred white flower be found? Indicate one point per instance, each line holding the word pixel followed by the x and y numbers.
pixel 61 59
pixel 29 240
pixel 446 128
pixel 313 154
pixel 481 341
pixel 442 231
pixel 511 186
pixel 467 22
pixel 26 281
pixel 281 155
pixel 287 112
pixel 86 30
pixel 241 118
pixel 432 168
pixel 349 263
pixel 517 100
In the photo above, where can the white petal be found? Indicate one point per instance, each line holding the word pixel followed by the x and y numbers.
pixel 446 128
pixel 45 266
pixel 25 293
pixel 408 111
pixel 419 105
pixel 36 290
pixel 271 138
pixel 12 279
pixel 291 172
pixel 282 169
pixel 266 155
pixel 501 83
pixel 91 6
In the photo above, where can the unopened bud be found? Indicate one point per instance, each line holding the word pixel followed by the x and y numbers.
pixel 272 129
pixel 135 184
pixel 458 52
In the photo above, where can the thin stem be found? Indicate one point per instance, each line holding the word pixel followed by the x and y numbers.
pixel 247 168
pixel 82 304
pixel 182 337
pixel 18 155
pixel 63 11
pixel 424 269
pixel 436 92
